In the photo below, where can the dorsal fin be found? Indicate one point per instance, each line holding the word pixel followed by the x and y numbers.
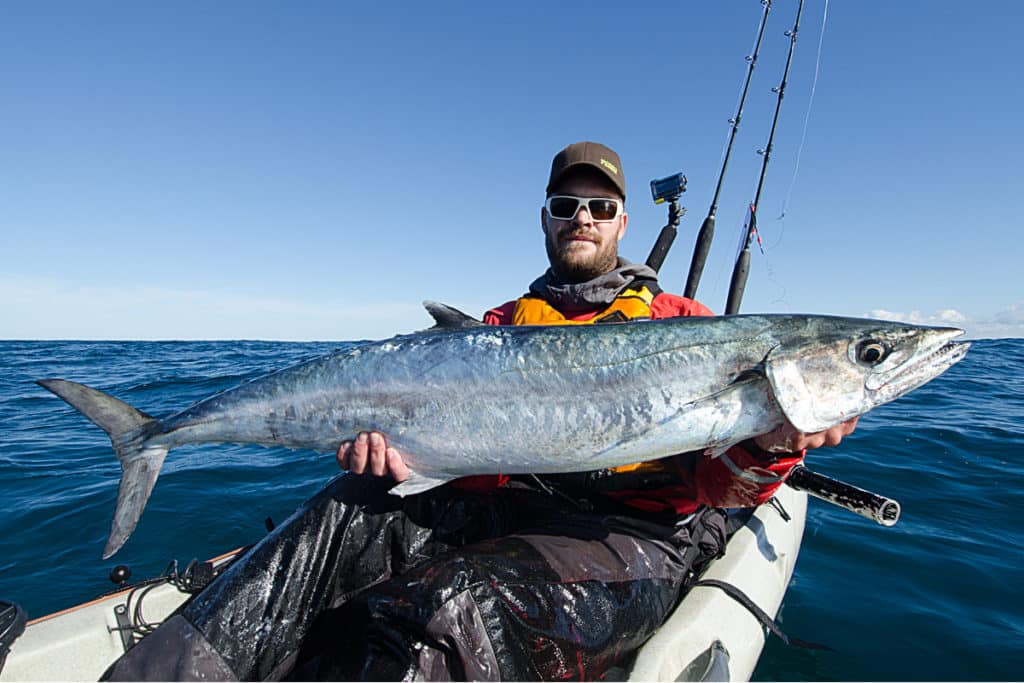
pixel 448 318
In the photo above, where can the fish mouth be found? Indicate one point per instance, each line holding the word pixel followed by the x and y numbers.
pixel 947 354
pixel 934 357
pixel 952 352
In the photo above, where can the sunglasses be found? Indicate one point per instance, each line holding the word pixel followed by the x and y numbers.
pixel 564 207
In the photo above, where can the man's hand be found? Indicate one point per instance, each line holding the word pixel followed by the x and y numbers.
pixel 786 439
pixel 370 453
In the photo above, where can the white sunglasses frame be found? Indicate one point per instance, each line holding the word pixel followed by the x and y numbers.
pixel 585 201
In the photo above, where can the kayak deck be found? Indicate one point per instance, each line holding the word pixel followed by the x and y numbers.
pixel 708 636
pixel 80 643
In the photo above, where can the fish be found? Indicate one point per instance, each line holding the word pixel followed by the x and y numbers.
pixel 464 398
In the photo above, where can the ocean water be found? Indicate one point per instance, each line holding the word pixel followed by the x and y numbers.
pixel 940 596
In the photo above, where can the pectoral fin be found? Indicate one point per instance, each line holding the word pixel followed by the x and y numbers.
pixel 418 483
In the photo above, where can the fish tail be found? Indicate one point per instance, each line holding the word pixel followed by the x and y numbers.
pixel 128 429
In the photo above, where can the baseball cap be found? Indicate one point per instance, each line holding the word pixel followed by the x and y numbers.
pixel 592 154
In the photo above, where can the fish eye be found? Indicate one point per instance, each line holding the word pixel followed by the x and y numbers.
pixel 871 352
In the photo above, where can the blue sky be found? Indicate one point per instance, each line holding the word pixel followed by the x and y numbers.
pixel 275 170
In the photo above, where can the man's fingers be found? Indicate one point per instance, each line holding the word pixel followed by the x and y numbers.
pixel 833 436
pixel 787 439
pixel 779 440
pixel 370 453
pixel 811 441
pixel 799 442
pixel 378 454
pixel 396 465
pixel 342 456
pixel 830 437
pixel 357 456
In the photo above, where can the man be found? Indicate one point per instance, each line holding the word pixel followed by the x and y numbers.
pixel 490 577
pixel 588 282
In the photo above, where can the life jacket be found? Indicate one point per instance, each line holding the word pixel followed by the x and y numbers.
pixel 633 303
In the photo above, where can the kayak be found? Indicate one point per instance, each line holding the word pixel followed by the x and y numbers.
pixel 80 642
pixel 709 636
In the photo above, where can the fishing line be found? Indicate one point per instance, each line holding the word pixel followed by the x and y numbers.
pixel 669 189
pixel 803 136
pixel 730 135
pixel 769 270
pixel 751 57
pixel 707 229
pixel 724 268
pixel 742 268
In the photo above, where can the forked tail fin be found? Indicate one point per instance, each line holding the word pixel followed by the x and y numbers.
pixel 128 429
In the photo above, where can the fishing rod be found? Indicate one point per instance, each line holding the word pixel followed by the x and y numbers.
pixel 880 509
pixel 669 189
pixel 742 267
pixel 707 228
pixel 884 511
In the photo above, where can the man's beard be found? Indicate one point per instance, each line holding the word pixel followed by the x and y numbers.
pixel 576 270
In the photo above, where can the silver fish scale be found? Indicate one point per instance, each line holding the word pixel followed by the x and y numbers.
pixel 520 399
pixel 501 397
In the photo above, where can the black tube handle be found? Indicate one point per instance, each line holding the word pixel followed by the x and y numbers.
pixel 666 237
pixel 739 282
pixel 700 256
pixel 885 511
pixel 660 249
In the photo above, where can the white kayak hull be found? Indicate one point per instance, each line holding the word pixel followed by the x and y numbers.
pixel 711 628
pixel 80 643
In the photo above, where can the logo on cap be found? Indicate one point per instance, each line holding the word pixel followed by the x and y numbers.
pixel 610 166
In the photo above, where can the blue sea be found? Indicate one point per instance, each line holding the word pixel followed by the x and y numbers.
pixel 940 596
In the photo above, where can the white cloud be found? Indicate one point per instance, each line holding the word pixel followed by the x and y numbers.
pixel 944 317
pixel 53 309
pixel 1006 323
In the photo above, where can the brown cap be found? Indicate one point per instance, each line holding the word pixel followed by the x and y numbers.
pixel 592 154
